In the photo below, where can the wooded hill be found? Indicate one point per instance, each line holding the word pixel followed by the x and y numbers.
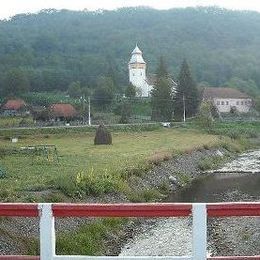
pixel 54 48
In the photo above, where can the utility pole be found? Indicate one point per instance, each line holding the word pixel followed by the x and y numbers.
pixel 89 119
pixel 184 108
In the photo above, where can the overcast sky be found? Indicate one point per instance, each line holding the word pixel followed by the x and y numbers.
pixel 11 7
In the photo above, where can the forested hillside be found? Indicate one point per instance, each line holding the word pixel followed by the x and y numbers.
pixel 54 48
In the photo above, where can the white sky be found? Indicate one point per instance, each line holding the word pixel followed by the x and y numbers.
pixel 11 7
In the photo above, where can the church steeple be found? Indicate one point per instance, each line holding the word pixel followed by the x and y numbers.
pixel 137 72
pixel 136 56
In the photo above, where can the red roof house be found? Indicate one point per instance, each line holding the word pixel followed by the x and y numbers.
pixel 14 104
pixel 62 111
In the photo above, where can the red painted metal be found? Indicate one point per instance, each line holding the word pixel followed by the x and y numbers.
pixel 19 209
pixel 19 257
pixel 123 210
pixel 233 209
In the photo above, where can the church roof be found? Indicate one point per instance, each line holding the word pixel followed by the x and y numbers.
pixel 151 80
pixel 136 50
pixel 136 56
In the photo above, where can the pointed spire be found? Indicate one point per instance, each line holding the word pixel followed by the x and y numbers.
pixel 136 50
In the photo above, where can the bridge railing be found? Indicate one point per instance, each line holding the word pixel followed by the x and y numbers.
pixel 199 212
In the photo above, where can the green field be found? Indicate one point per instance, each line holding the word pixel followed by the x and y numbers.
pixel 85 169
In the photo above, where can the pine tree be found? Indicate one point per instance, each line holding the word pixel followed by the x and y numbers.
pixel 187 95
pixel 162 99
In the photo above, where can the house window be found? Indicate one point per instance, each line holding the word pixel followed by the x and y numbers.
pixel 237 103
pixel 222 103
pixel 133 74
pixel 141 74
pixel 242 103
pixel 227 102
pixel 218 103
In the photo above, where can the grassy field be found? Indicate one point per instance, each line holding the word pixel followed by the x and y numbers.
pixel 85 169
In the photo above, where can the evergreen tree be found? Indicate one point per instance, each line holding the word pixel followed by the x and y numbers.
pixel 186 94
pixel 162 98
pixel 15 83
pixel 74 89
pixel 130 91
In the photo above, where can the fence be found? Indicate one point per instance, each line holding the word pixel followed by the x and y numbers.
pixel 199 212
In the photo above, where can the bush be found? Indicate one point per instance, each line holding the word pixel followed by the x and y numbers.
pixel 103 136
pixel 2 173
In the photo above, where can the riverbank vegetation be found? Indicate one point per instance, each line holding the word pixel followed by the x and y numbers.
pixel 87 171
pixel 84 169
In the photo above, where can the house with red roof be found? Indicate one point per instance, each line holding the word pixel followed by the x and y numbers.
pixel 15 107
pixel 62 112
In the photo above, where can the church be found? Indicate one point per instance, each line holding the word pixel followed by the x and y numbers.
pixel 137 73
pixel 138 77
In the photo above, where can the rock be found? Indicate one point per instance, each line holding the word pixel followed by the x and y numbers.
pixel 173 180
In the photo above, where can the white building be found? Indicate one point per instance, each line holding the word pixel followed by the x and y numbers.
pixel 137 73
pixel 226 99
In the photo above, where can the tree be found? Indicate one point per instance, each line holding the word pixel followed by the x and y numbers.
pixel 205 118
pixel 187 96
pixel 104 92
pixel 161 95
pixel 74 90
pixel 257 103
pixel 130 91
pixel 16 83
pixel 126 112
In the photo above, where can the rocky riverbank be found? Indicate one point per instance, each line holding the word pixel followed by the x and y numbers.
pixel 170 175
pixel 227 236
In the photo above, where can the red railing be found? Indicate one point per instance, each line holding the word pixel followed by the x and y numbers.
pixel 200 212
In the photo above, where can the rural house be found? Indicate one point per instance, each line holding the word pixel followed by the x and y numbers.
pixel 62 112
pixel 228 99
pixel 15 107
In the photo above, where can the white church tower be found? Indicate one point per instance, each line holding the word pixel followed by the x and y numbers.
pixel 137 73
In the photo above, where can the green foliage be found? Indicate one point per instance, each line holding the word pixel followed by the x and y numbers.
pixel 130 91
pixel 186 94
pixel 126 112
pixel 74 90
pixel 47 98
pixel 205 118
pixel 2 172
pixel 210 163
pixel 257 103
pixel 59 47
pixel 15 83
pixel 104 93
pixel 89 239
pixel 161 95
pixel 147 195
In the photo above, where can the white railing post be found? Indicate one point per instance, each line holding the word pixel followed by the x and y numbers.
pixel 199 231
pixel 47 232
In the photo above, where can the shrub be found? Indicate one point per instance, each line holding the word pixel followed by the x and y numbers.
pixel 159 157
pixel 96 184
pixel 103 136
pixel 2 173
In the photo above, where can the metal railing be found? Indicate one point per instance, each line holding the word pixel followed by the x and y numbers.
pixel 199 212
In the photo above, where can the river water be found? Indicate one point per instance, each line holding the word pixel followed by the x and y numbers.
pixel 238 180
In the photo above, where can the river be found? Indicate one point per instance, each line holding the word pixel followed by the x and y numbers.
pixel 238 180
